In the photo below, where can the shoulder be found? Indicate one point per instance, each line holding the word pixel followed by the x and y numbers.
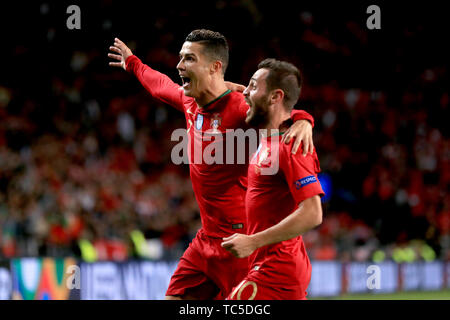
pixel 187 100
pixel 235 97
pixel 189 103
pixel 237 102
pixel 286 154
pixel 286 148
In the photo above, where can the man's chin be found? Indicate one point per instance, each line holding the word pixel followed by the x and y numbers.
pixel 256 120
pixel 187 92
pixel 248 118
pixel 252 122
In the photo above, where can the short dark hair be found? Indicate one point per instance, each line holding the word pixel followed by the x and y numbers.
pixel 285 76
pixel 214 43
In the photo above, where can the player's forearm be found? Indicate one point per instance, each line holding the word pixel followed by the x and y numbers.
pixel 150 78
pixel 134 65
pixel 307 216
pixel 159 85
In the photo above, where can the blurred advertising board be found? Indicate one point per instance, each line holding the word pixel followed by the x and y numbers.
pixel 330 278
pixel 325 278
pixel 423 276
pixel 45 279
pixel 5 281
pixel 145 280
pixel 447 273
pixel 59 279
pixel 359 276
pixel 411 275
pixel 433 275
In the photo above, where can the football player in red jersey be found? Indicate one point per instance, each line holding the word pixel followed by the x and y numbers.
pixel 205 270
pixel 280 207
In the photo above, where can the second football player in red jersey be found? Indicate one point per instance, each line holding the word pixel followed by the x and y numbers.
pixel 280 207
pixel 205 270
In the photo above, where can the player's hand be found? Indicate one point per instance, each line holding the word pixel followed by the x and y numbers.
pixel 239 245
pixel 234 86
pixel 300 131
pixel 122 52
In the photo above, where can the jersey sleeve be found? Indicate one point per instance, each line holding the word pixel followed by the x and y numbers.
pixel 160 86
pixel 300 173
pixel 302 115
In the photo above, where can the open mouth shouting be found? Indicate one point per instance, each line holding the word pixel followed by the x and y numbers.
pixel 186 81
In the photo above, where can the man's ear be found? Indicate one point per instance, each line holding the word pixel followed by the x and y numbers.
pixel 216 66
pixel 277 95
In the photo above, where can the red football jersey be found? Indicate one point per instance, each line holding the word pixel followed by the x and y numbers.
pixel 219 188
pixel 272 197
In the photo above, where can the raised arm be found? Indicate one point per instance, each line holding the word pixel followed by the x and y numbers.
pixel 159 85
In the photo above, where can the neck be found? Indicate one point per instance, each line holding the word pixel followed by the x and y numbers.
pixel 277 116
pixel 215 89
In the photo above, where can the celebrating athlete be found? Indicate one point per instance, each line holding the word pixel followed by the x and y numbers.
pixel 206 270
pixel 281 207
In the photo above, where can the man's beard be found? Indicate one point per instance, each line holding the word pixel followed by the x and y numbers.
pixel 258 116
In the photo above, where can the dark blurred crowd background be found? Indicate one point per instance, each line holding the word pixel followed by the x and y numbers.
pixel 85 166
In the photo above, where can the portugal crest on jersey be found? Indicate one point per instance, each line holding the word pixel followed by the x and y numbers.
pixel 199 122
pixel 215 121
pixel 263 159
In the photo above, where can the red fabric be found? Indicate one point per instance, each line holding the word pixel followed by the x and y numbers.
pixel 219 188
pixel 257 290
pixel 271 198
pixel 206 264
pixel 302 115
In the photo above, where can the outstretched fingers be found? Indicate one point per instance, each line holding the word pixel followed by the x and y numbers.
pixel 115 56
pixel 116 64
pixel 115 49
pixel 119 44
pixel 117 53
pixel 119 41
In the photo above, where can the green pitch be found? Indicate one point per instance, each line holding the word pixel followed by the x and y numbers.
pixel 413 295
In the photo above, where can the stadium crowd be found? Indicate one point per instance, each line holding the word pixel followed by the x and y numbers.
pixel 85 153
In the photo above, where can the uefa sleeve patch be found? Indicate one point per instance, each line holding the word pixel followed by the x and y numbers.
pixel 300 183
